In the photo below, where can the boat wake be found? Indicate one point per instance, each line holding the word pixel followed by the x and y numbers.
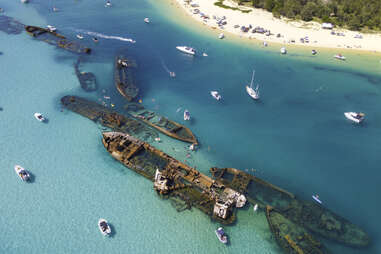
pixel 111 37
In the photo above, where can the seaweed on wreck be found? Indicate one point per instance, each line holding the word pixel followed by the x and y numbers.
pixel 87 80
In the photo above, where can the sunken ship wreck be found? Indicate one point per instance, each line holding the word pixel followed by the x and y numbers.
pixel 124 78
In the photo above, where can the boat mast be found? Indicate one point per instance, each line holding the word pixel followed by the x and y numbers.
pixel 252 79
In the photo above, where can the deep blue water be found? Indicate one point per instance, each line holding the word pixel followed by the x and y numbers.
pixel 295 137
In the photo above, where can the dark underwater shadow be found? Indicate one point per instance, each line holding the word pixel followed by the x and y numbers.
pixel 370 78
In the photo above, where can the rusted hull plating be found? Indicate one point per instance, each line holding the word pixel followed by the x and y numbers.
pixel 124 78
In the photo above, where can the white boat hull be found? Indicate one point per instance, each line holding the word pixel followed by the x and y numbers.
pixel 186 50
pixel 186 115
pixel 351 116
pixel 253 94
pixel 22 173
pixel 216 95
pixel 221 238
pixel 39 117
pixel 317 199
pixel 105 232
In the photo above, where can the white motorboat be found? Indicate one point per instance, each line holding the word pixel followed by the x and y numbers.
pixel 216 95
pixel 108 4
pixel 316 198
pixel 283 50
pixel 339 56
pixel 79 36
pixel 104 227
pixel 255 208
pixel 186 115
pixel 187 50
pixel 354 116
pixel 172 74
pixel 39 117
pixel 22 173
pixel 254 93
pixel 314 52
pixel 221 235
pixel 146 20
pixel 221 36
pixel 204 54
pixel 51 28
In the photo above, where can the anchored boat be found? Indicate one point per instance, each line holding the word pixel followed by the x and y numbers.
pixel 162 124
pixel 124 78
pixel 22 173
pixel 187 50
pixel 354 116
pixel 104 227
pixel 221 235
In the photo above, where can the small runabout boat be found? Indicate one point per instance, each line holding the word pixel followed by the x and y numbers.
pixel 146 20
pixel 314 52
pixel 221 36
pixel 186 115
pixel 283 50
pixel 104 227
pixel 221 235
pixel 187 50
pixel 79 36
pixel 51 28
pixel 255 208
pixel 22 173
pixel 216 95
pixel 172 74
pixel 39 117
pixel 339 56
pixel 316 198
pixel 204 54
pixel 354 116
pixel 108 4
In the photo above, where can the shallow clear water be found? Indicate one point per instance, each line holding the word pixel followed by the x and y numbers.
pixel 295 137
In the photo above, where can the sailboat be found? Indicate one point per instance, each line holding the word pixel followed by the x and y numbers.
pixel 254 93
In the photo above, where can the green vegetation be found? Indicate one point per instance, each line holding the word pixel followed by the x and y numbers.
pixel 220 3
pixel 352 14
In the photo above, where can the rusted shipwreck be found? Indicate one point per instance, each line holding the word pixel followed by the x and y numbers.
pixel 124 77
pixel 107 117
pixel 309 215
pixel 56 39
pixel 162 124
pixel 87 80
pixel 173 178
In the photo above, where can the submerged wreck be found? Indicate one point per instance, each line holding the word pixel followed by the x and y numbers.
pixel 10 26
pixel 309 215
pixel 173 178
pixel 124 78
pixel 56 39
pixel 107 117
pixel 162 124
pixel 86 79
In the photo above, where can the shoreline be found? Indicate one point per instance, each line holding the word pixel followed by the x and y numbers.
pixel 290 32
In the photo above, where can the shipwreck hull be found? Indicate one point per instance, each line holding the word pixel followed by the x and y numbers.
pixel 56 39
pixel 162 124
pixel 182 181
pixel 124 78
pixel 87 80
pixel 292 238
pixel 107 117
pixel 312 216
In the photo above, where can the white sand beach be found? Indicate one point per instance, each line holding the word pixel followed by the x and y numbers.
pixel 282 30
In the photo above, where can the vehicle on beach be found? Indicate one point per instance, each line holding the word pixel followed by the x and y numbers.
pixel 221 235
pixel 104 227
pixel 51 28
pixel 187 50
pixel 216 95
pixel 316 198
pixel 254 93
pixel 22 173
pixel 79 36
pixel 283 50
pixel 186 115
pixel 340 57
pixel 146 20
pixel 172 74
pixel 354 116
pixel 39 117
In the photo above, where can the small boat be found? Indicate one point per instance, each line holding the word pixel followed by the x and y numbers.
pixel 146 20
pixel 221 235
pixel 316 198
pixel 192 147
pixel 339 56
pixel 354 116
pixel 283 50
pixel 55 9
pixel 186 115
pixel 79 36
pixel 24 1
pixel 187 50
pixel 108 4
pixel 172 74
pixel 265 44
pixel 51 28
pixel 22 173
pixel 216 95
pixel 104 227
pixel 314 52
pixel 254 93
pixel 255 208
pixel 95 39
pixel 204 54
pixel 221 36
pixel 39 117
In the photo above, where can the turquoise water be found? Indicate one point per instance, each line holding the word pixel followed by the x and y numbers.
pixel 296 136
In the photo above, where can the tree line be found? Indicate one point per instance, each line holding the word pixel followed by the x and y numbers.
pixel 352 14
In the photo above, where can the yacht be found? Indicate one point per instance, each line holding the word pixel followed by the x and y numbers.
pixel 221 36
pixel 254 93
pixel 24 1
pixel 39 117
pixel 79 36
pixel 51 28
pixel 187 50
pixel 146 20
pixel 22 173
pixel 216 95
pixel 104 227
pixel 354 116
pixel 186 115
pixel 339 56
pixel 283 50
pixel 221 235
